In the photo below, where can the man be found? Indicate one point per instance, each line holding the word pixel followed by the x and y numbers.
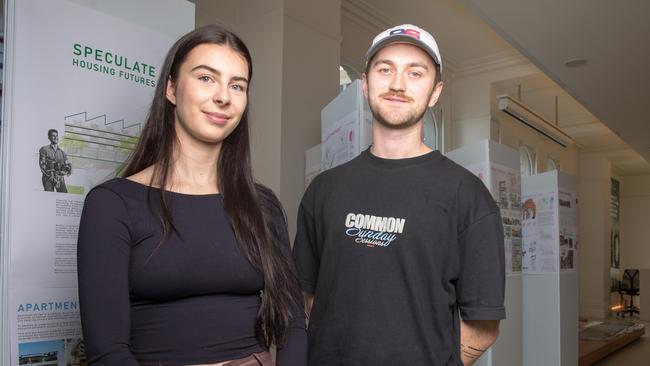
pixel 398 245
pixel 54 164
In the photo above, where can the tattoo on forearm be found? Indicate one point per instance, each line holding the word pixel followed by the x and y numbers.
pixel 472 348
pixel 469 355
pixel 470 351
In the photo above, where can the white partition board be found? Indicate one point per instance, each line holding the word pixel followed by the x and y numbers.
pixel 550 277
pixel 487 159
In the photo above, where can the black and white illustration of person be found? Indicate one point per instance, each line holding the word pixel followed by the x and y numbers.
pixel 400 251
pixel 54 164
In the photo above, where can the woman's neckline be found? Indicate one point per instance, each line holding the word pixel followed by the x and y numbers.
pixel 147 187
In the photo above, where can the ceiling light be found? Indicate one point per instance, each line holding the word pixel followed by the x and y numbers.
pixel 575 62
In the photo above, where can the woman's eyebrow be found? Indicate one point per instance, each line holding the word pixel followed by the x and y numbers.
pixel 217 72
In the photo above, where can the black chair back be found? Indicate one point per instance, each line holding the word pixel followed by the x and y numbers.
pixel 630 280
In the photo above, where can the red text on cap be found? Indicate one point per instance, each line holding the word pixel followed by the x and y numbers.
pixel 408 31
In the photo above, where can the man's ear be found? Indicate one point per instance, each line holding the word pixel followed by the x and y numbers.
pixel 170 91
pixel 436 94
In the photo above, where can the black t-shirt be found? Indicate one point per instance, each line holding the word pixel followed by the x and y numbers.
pixel 394 250
pixel 192 299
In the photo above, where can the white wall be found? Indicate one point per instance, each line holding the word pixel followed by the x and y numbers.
pixel 311 57
pixel 474 117
pixel 358 33
pixel 514 134
pixel 635 221
pixel 594 189
pixel 261 29
pixel 295 49
pixel 472 101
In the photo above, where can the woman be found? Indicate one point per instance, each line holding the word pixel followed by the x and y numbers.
pixel 186 261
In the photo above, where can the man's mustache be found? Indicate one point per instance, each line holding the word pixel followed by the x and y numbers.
pixel 396 95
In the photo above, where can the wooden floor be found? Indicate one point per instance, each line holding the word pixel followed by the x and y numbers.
pixel 636 353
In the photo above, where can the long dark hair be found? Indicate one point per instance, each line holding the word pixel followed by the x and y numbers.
pixel 250 207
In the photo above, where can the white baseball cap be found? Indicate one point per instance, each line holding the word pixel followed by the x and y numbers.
pixel 406 33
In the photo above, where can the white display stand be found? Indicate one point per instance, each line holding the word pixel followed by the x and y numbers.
pixel 498 167
pixel 84 71
pixel 550 273
pixel 346 127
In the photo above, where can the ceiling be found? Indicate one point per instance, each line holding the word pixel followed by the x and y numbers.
pixel 604 105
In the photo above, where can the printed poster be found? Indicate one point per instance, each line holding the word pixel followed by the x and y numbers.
pixel 47 328
pixel 568 214
pixel 83 82
pixel 341 144
pixel 539 229
pixel 506 190
pixel 505 185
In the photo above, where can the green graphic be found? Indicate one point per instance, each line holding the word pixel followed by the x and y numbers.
pixel 97 147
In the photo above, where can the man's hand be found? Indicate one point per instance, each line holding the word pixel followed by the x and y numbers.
pixel 476 336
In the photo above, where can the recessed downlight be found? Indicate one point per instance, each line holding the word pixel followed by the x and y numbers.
pixel 575 62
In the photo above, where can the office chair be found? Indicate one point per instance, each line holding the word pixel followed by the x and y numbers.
pixel 629 286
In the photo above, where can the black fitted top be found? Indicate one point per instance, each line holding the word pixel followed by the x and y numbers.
pixel 192 299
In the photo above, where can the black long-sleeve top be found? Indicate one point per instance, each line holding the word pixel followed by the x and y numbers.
pixel 192 299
